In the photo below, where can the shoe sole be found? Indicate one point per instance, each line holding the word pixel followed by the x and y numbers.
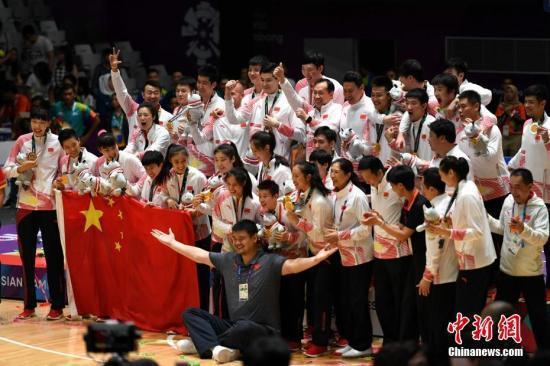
pixel 26 317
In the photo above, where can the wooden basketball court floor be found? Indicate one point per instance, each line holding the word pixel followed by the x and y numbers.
pixel 38 342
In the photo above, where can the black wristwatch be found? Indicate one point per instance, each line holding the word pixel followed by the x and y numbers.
pixel 309 119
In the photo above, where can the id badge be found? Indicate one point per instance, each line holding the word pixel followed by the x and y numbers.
pixel 516 245
pixel 243 291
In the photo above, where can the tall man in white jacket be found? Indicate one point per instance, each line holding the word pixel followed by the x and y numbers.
pixel 524 223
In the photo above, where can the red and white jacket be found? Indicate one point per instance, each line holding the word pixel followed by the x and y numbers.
pixel 279 174
pixel 291 127
pixel 441 262
pixel 534 155
pixel 130 164
pixel 225 215
pixel 39 195
pixel 196 182
pixel 66 165
pixel 490 172
pixel 304 90
pixel 296 247
pixel 388 204
pixel 158 140
pixel 355 240
pixel 143 190
pixel 471 232
pixel 129 106
pixel 316 216
pixel 329 115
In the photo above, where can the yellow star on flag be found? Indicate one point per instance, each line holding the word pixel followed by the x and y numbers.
pixel 110 201
pixel 92 217
pixel 118 246
pixel 120 214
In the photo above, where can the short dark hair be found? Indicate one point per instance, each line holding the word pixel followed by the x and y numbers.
pixel 66 134
pixel 412 67
pixel 418 93
pixel 443 127
pixel 152 157
pixel 269 185
pixel 330 84
pixel 268 68
pixel 371 163
pixel 105 140
pixel 538 91
pixel 448 81
pixel 353 77
pixel 187 81
pixel 458 165
pixel 154 83
pixel 525 174
pixel 257 60
pixel 313 57
pixel 40 113
pixel 152 69
pixel 402 174
pixel 69 87
pixel 384 81
pixel 209 71
pixel 431 178
pixel 458 64
pixel 320 156
pixel 246 225
pixel 326 131
pixel 472 96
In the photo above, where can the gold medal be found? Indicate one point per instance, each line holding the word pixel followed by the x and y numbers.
pixel 32 156
pixel 169 125
pixel 377 148
pixel 534 128
pixel 206 196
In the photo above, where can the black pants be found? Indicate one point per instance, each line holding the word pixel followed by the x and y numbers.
pixel 203 275
pixel 292 306
pixel 547 254
pixel 441 313
pixel 422 302
pixel 395 298
pixel 322 278
pixel 218 291
pixel 354 300
pixel 471 290
pixel 534 292
pixel 28 225
pixel 208 331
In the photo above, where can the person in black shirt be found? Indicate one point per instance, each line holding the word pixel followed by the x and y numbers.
pixel 402 180
pixel 252 282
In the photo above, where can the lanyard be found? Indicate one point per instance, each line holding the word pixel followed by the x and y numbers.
pixel 146 140
pixel 69 162
pixel 236 207
pixel 379 131
pixel 152 191
pixel 33 145
pixel 308 197
pixel 268 111
pixel 341 212
pixel 417 137
pixel 264 172
pixel 208 103
pixel 183 184
pixel 249 268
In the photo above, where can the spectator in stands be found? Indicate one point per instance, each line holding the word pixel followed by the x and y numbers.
pixel 84 93
pixel 14 106
pixel 101 69
pixel 511 116
pixel 36 48
pixel 117 123
pixel 40 81
pixel 64 65
pixel 79 116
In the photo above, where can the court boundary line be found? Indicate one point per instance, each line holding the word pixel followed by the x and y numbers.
pixel 44 349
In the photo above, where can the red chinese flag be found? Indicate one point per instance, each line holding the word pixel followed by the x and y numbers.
pixel 118 269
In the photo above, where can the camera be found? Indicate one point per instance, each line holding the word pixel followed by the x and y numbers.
pixel 112 337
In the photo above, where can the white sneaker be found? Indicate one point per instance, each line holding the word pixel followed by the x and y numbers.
pixel 223 354
pixel 353 353
pixel 341 351
pixel 186 346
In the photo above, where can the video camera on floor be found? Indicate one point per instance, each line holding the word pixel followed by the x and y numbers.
pixel 112 337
